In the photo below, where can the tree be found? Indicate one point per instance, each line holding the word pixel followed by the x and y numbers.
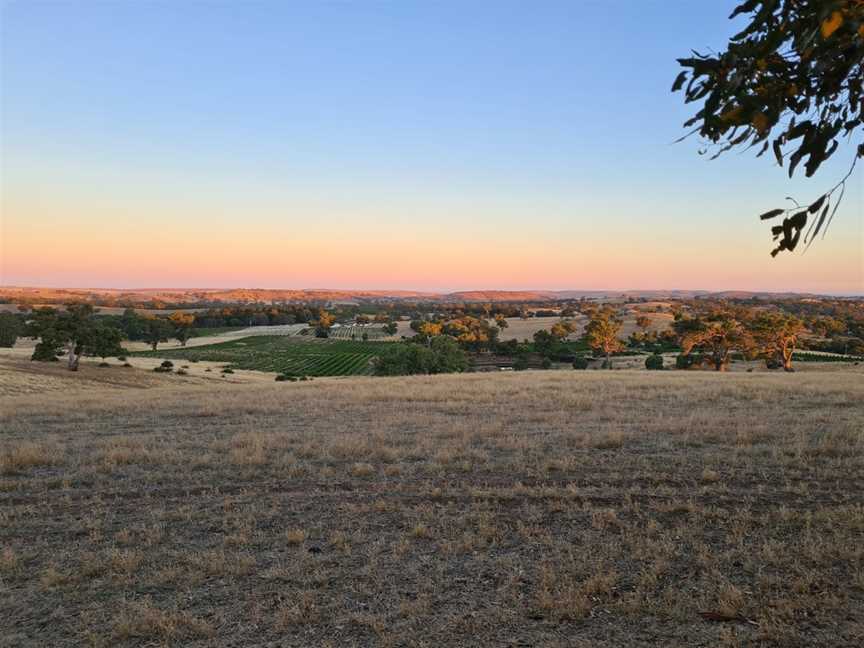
pixel 543 342
pixel 602 334
pixel 501 322
pixel 643 322
pixel 717 336
pixel 182 323
pixel 105 341
pixel 391 328
pixel 11 327
pixel 443 355
pixel 775 336
pixel 792 80
pixel 74 330
pixel 322 326
pixel 158 330
pixel 429 330
pixel 560 330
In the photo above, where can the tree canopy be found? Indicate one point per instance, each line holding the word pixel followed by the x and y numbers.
pixel 74 329
pixel 791 82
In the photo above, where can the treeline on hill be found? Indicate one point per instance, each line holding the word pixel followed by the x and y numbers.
pixel 454 337
pixel 705 333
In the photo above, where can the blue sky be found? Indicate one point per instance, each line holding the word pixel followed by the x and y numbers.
pixel 520 126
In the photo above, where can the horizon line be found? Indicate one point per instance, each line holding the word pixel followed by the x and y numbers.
pixel 433 292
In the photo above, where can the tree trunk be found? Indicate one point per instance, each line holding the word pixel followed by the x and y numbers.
pixel 608 361
pixel 787 358
pixel 73 357
pixel 154 345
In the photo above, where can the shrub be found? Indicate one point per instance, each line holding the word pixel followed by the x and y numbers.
pixel 520 363
pixel 182 372
pixel 104 364
pixel 162 369
pixel 546 364
pixel 127 364
pixel 227 370
pixel 654 362
pixel 580 362
pixel 683 361
pixel 167 364
pixel 121 358
pixel 283 377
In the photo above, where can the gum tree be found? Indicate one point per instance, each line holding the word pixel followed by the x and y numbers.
pixel 602 334
pixel 775 336
pixel 790 83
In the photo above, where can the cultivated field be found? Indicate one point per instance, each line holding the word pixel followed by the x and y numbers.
pixel 282 354
pixel 534 509
pixel 356 331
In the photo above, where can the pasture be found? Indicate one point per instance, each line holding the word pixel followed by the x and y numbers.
pixel 540 508
pixel 522 329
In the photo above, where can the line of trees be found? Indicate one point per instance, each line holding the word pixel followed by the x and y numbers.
pixel 714 336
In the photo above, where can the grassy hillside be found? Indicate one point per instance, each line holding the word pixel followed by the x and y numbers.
pixel 544 508
pixel 313 357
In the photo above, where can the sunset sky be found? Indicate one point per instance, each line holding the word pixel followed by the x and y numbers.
pixel 403 144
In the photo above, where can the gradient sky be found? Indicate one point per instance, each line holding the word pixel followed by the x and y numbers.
pixel 404 144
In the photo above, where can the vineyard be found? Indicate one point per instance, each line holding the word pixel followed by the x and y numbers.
pixel 282 354
pixel 356 332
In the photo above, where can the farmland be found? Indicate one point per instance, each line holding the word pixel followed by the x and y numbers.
pixel 281 354
pixel 356 332
pixel 540 508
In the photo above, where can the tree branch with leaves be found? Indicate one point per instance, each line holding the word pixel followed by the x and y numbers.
pixel 791 82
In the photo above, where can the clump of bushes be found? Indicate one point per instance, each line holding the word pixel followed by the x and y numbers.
pixel 166 367
pixel 654 362
pixel 283 377
pixel 580 362
pixel 520 363
pixel 687 361
pixel 121 358
pixel 104 364
pixel 227 370
pixel 546 364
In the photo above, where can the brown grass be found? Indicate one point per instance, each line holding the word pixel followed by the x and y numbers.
pixel 543 508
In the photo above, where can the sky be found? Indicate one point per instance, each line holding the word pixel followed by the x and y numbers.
pixel 406 144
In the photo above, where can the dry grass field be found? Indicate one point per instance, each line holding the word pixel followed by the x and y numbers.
pixel 533 509
pixel 523 329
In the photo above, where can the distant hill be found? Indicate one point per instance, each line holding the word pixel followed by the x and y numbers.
pixel 23 294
